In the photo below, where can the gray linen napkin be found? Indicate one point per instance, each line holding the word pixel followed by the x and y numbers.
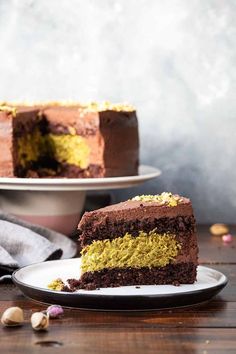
pixel 22 243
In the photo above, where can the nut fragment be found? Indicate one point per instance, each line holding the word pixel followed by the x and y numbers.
pixel 56 284
pixel 55 311
pixel 72 130
pixel 39 321
pixel 13 316
pixel 219 229
pixel 227 238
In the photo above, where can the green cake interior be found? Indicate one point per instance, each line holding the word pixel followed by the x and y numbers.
pixel 145 250
pixel 63 148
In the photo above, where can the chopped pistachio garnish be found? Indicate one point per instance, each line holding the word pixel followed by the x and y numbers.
pixel 163 198
pixel 107 106
pixel 56 284
pixel 86 107
pixel 64 103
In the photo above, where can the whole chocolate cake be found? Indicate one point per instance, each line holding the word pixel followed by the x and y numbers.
pixel 68 140
pixel 150 239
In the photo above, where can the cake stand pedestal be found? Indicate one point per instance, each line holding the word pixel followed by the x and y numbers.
pixel 58 203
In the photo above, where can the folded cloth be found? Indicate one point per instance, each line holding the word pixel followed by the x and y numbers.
pixel 22 243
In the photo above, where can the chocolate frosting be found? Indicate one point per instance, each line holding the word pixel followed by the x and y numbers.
pixel 119 131
pixel 25 118
pixel 62 119
pixel 132 209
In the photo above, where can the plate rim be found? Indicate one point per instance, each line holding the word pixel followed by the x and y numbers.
pixel 221 285
pixel 154 172
pixel 146 173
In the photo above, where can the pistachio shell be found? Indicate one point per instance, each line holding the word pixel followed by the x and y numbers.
pixel 13 316
pixel 39 321
pixel 219 229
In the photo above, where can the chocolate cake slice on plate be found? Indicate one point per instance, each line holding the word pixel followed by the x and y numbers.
pixel 150 239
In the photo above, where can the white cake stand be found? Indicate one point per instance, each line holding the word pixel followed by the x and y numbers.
pixel 57 203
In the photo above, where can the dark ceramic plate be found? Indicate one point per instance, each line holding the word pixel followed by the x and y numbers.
pixel 33 281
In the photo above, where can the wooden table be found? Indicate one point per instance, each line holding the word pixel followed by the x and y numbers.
pixel 206 328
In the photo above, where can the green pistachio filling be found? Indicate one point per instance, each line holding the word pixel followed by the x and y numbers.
pixel 30 147
pixel 145 250
pixel 71 149
pixel 67 148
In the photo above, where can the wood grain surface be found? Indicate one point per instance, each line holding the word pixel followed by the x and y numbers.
pixel 206 328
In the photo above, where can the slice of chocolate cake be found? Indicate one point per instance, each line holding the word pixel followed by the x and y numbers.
pixel 68 140
pixel 150 239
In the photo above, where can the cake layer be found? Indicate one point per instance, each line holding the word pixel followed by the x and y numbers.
pixel 167 213
pixel 91 231
pixel 136 211
pixel 145 250
pixel 70 120
pixel 69 171
pixel 181 273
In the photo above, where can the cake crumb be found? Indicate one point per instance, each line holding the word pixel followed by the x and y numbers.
pixel 57 285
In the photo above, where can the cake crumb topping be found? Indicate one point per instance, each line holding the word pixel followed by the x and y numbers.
pixel 85 107
pixel 25 103
pixel 165 198
pixel 107 106
pixel 56 284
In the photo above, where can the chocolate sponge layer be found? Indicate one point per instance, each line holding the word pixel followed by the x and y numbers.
pixel 180 225
pixel 60 170
pixel 181 273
